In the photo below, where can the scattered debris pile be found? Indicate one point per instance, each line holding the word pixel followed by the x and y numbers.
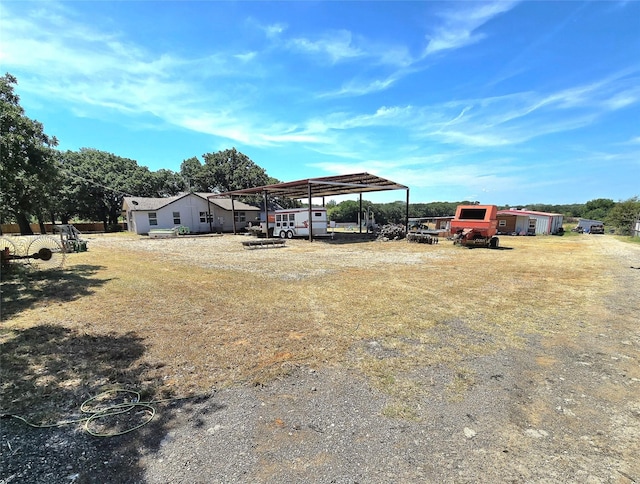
pixel 392 232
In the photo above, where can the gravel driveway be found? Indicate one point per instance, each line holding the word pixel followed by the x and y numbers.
pixel 557 411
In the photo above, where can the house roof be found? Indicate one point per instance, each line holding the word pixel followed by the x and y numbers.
pixel 528 212
pixel 146 204
pixel 322 187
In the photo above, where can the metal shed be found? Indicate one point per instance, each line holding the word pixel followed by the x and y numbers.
pixel 356 183
pixel 584 225
pixel 541 223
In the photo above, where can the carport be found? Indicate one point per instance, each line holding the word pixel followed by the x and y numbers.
pixel 328 186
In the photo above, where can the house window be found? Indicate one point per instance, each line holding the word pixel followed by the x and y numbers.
pixel 153 218
pixel 502 223
pixel 176 218
pixel 203 217
pixel 241 217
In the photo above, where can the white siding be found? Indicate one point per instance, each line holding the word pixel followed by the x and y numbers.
pixel 547 224
pixel 522 224
pixel 189 209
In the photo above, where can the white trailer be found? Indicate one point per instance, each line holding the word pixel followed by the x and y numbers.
pixel 294 222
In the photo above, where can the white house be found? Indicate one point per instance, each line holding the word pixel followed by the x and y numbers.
pixel 192 210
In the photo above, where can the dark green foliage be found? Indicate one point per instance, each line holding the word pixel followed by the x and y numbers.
pixel 97 182
pixel 27 166
pixel 231 170
pixel 624 214
pixel 598 209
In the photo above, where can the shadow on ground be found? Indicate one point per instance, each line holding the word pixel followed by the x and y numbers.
pixel 47 373
pixel 24 288
pixel 347 238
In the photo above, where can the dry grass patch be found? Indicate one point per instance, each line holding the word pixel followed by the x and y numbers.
pixel 180 316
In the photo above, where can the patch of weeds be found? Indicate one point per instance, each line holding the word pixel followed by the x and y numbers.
pixel 400 410
pixel 463 380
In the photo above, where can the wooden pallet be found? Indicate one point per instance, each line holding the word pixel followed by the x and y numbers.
pixel 263 243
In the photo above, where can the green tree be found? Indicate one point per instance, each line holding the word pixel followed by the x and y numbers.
pixel 98 181
pixel 193 176
pixel 27 163
pixel 167 183
pixel 391 213
pixel 346 211
pixel 230 170
pixel 598 209
pixel 624 214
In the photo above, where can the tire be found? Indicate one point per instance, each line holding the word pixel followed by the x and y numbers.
pixel 283 234
pixel 289 235
pixel 494 242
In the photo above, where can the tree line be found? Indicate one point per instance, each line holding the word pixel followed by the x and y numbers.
pixel 620 215
pixel 42 183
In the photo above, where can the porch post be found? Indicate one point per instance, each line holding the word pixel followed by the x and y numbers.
pixel 233 214
pixel 209 216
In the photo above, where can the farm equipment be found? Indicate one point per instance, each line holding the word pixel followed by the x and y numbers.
pixel 475 226
pixel 423 235
pixel 42 252
pixel 70 238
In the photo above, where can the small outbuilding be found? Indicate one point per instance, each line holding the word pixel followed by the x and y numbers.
pixel 539 223
pixel 587 226
pixel 194 211
pixel 515 223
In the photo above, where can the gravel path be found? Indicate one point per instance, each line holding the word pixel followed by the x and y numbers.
pixel 557 411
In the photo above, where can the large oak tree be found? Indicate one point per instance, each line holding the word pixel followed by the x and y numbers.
pixel 27 161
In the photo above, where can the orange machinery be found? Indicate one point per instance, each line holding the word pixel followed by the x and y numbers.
pixel 475 226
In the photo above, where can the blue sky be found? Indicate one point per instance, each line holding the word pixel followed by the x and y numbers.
pixel 501 102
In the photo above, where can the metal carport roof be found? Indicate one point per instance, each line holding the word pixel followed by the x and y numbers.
pixel 324 186
pixel 356 183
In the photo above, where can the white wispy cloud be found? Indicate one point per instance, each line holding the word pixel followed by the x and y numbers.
pixel 336 46
pixel 460 23
pixel 518 117
pixel 357 87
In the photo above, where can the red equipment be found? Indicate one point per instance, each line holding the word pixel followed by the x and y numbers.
pixel 475 226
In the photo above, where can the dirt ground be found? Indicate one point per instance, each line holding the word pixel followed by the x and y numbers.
pixel 561 408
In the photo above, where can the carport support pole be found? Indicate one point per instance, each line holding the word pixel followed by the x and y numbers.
pixel 360 215
pixel 310 217
pixel 266 215
pixel 406 219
